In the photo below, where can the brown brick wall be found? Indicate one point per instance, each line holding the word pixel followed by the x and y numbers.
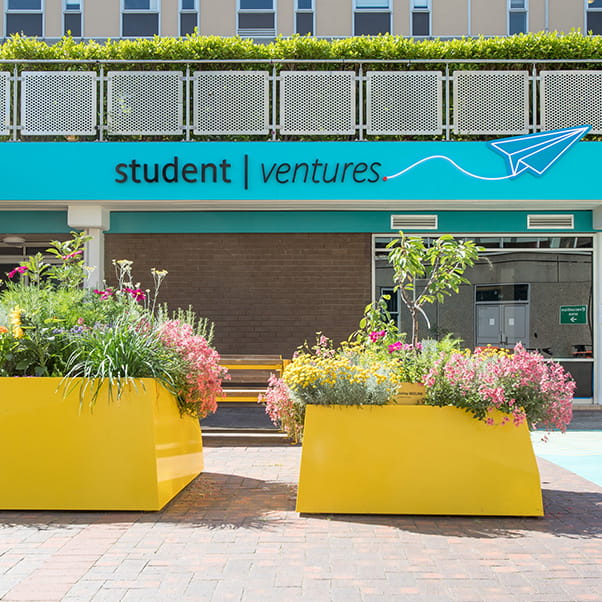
pixel 266 293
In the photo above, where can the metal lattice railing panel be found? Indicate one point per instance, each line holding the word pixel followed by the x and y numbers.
pixel 4 103
pixel 491 102
pixel 231 103
pixel 58 103
pixel 571 98
pixel 144 103
pixel 317 103
pixel 404 103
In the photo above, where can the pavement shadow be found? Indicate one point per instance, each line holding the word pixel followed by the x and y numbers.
pixel 567 514
pixel 218 501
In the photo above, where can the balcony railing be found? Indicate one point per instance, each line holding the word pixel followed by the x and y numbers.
pixel 291 100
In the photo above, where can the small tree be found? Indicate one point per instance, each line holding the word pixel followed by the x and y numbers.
pixel 441 265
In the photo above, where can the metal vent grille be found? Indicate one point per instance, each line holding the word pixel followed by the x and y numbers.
pixel 144 102
pixel 414 222
pixel 317 103
pixel 5 103
pixel 570 98
pixel 551 222
pixel 401 103
pixel 262 32
pixel 58 103
pixel 231 102
pixel 491 102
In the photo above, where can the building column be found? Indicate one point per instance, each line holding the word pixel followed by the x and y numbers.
pixel 597 317
pixel 93 220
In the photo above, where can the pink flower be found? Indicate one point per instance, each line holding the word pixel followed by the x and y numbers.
pixel 376 335
pixel 71 255
pixel 398 346
pixel 106 294
pixel 136 293
pixel 20 270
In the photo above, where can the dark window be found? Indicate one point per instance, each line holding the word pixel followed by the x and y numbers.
pixel 257 4
pixel 594 22
pixel 256 21
pixel 517 22
pixel 29 25
pixel 24 5
pixel 188 21
pixel 188 5
pixel 421 24
pixel 73 23
pixel 137 5
pixel 139 25
pixel 304 5
pixel 305 23
pixel 371 24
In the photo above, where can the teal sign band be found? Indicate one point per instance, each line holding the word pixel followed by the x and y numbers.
pixel 164 171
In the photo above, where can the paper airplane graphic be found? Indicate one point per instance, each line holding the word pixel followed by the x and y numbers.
pixel 538 152
pixel 534 152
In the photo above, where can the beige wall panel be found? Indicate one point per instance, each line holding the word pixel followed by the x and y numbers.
pixel 102 19
pixel 537 21
pixel 53 18
pixel 285 24
pixel 449 18
pixel 401 17
pixel 217 18
pixel 566 15
pixel 170 17
pixel 489 17
pixel 334 18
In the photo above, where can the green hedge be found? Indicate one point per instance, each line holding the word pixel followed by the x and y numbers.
pixel 531 47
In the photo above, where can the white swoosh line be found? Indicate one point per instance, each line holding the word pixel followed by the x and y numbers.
pixel 464 171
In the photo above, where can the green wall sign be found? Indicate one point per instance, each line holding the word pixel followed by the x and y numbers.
pixel 573 314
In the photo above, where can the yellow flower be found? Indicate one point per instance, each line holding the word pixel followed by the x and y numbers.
pixel 14 319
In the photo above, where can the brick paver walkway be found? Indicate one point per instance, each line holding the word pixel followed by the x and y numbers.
pixel 233 534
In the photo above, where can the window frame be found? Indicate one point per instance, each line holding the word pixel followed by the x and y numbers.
pixel 512 10
pixel 257 11
pixel 25 11
pixel 187 11
pixel 587 10
pixel 429 11
pixel 371 10
pixel 306 11
pixel 73 11
pixel 140 11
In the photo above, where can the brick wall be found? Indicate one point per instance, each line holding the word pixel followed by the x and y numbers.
pixel 266 293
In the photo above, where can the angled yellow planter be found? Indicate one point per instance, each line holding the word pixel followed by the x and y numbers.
pixel 135 453
pixel 415 460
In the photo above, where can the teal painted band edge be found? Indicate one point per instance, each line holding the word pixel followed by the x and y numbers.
pixel 165 222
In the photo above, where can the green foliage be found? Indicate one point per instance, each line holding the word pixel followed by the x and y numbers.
pixel 440 265
pixel 534 46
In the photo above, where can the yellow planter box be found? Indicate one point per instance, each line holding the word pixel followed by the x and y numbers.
pixel 415 460
pixel 135 453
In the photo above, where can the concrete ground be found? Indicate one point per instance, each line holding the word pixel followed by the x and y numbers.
pixel 233 534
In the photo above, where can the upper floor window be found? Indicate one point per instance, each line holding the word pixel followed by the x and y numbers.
pixel 421 17
pixel 25 17
pixel 371 17
pixel 140 18
pixel 72 18
pixel 189 16
pixel 256 18
pixel 517 16
pixel 304 17
pixel 593 16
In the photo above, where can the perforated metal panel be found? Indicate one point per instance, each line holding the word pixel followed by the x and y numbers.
pixel 144 102
pixel 570 98
pixel 231 102
pixel 4 103
pixel 317 102
pixel 404 102
pixel 58 103
pixel 491 102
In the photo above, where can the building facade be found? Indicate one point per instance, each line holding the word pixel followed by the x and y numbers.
pixel 269 194
pixel 265 19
